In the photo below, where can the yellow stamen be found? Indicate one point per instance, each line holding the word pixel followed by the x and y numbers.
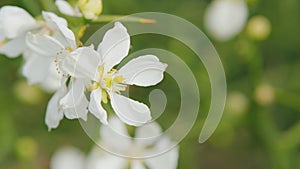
pixel 108 81
pixel 82 31
pixel 69 49
pixel 118 79
pixel 112 71
pixel 80 44
pixel 101 70
pixel 94 86
pixel 104 96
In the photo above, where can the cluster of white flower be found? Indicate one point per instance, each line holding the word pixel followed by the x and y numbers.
pixel 83 78
pixel 55 61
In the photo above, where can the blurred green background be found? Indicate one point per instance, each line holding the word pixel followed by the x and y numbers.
pixel 261 124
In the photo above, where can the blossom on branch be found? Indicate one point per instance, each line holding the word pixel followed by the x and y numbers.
pixel 108 83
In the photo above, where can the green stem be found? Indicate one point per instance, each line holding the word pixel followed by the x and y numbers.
pixel 266 130
pixel 291 138
pixel 288 99
pixel 262 119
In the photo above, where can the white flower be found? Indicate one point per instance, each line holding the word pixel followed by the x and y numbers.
pixel 65 8
pixel 15 22
pixel 45 52
pixel 116 137
pixel 67 158
pixel 108 82
pixel 225 18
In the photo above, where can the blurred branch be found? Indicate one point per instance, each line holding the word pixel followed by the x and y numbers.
pixel 109 18
pixel 255 65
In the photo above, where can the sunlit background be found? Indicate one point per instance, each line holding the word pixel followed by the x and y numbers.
pixel 258 43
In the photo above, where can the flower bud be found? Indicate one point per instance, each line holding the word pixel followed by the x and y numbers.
pixel 90 8
pixel 26 148
pixel 237 103
pixel 259 28
pixel 27 94
pixel 264 94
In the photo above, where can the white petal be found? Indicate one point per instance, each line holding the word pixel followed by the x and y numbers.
pixel 74 102
pixel 36 68
pixel 82 63
pixel 225 18
pixel 43 44
pixel 147 134
pixel 2 35
pixel 77 112
pixel 115 135
pixel 53 20
pixel 67 158
pixel 99 159
pixel 67 37
pixel 136 164
pixel 114 46
pixel 52 81
pixel 65 8
pixel 130 111
pixel 14 47
pixel 143 71
pixel 95 106
pixel 54 113
pixel 15 21
pixel 168 160
pixel 60 29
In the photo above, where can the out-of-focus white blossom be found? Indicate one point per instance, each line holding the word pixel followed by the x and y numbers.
pixel 116 137
pixel 15 22
pixel 225 19
pixel 65 8
pixel 68 158
pixel 97 66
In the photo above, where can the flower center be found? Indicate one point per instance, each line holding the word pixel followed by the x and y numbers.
pixel 3 42
pixel 108 82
